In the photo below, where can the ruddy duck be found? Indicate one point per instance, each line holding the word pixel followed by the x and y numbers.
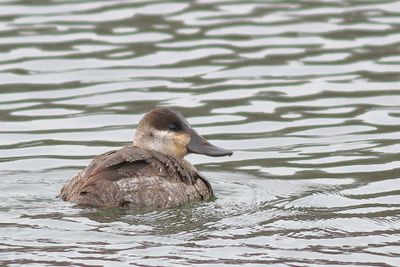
pixel 150 173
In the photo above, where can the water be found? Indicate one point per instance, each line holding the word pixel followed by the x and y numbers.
pixel 306 93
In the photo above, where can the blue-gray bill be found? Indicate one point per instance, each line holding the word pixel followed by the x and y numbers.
pixel 199 145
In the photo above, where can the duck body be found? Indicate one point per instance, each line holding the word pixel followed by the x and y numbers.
pixel 150 173
pixel 137 178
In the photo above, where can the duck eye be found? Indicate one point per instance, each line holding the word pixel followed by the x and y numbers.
pixel 173 127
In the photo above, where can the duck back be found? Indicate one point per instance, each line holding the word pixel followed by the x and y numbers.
pixel 137 178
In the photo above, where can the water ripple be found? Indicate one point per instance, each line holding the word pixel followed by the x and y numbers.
pixel 306 93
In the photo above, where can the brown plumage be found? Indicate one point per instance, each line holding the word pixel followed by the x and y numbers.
pixel 137 178
pixel 151 173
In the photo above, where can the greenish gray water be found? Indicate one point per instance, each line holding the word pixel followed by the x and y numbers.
pixel 306 93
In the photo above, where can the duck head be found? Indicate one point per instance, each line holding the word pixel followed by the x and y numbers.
pixel 167 131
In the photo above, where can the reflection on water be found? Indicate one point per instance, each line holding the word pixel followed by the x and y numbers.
pixel 305 92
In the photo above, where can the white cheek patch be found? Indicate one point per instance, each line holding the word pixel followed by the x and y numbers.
pixel 166 142
pixel 162 141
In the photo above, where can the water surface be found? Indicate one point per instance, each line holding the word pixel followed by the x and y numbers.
pixel 306 93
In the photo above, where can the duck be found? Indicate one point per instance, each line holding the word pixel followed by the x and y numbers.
pixel 151 172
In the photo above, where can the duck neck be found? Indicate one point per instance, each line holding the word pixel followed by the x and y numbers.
pixel 148 142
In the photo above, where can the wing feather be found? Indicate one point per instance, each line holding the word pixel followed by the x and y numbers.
pixel 129 162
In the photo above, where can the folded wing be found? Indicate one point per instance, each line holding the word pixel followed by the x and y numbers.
pixel 136 177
